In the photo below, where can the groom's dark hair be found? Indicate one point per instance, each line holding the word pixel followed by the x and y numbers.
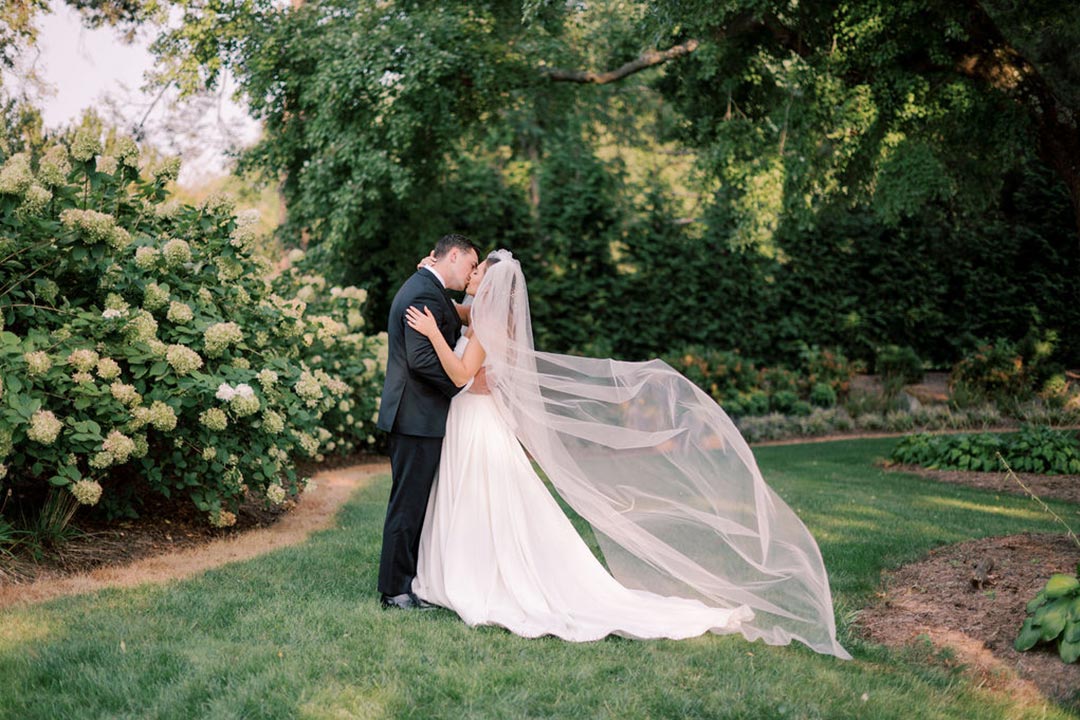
pixel 453 240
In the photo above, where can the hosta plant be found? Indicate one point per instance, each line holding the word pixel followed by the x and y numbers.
pixel 1054 617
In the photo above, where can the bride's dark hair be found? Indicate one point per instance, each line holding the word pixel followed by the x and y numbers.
pixel 492 258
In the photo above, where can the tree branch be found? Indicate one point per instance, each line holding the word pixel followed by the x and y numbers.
pixel 647 60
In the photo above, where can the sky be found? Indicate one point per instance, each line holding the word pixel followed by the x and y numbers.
pixel 83 67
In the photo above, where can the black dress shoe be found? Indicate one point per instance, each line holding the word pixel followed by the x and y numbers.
pixel 405 601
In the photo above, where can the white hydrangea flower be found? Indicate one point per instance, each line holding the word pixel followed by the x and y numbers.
pixel 182 359
pixel 54 167
pixel 162 416
pixel 146 257
pixel 141 446
pixel 275 494
pixel 214 419
pixel 168 169
pixel 180 313
pixel 205 296
pixel 125 394
pixel 168 210
pixel 157 348
pixel 44 428
pixel 127 151
pixel 273 423
pixel 101 460
pixel 155 296
pixel 87 492
pixel 308 389
pixel 209 453
pixel 222 519
pixel 225 392
pixel 295 256
pixel 219 203
pixel 141 327
pixel 80 378
pixel 119 446
pixel 86 145
pixel 176 252
pixel 15 175
pixel 267 378
pixel 228 269
pixel 107 368
pixel 241 363
pixel 219 336
pixel 3 471
pixel 95 227
pixel 244 405
pixel 83 359
pixel 37 362
pixel 34 201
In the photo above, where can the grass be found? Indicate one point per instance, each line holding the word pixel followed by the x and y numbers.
pixel 299 634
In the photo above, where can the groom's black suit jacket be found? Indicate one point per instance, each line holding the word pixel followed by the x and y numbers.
pixel 417 391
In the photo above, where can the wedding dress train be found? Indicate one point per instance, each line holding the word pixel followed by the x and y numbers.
pixel 497 548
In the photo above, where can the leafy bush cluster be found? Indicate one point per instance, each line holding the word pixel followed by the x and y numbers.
pixel 1003 371
pixel 1054 616
pixel 145 346
pixel 1036 449
pixel 745 389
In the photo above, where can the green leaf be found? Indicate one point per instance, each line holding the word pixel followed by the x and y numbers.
pixel 1061 584
pixel 1037 601
pixel 1069 651
pixel 59 480
pixel 1071 632
pixel 1052 617
pixel 1029 635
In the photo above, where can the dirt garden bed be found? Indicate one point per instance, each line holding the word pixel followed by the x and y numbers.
pixel 1048 487
pixel 936 599
pixel 156 548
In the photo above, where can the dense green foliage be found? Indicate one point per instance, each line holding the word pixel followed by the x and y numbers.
pixel 298 633
pixel 850 176
pixel 145 346
pixel 1036 449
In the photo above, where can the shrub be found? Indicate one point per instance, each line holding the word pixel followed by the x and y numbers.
pixel 828 367
pixel 994 371
pixel 900 363
pixel 823 395
pixel 145 346
pixel 1033 449
pixel 783 401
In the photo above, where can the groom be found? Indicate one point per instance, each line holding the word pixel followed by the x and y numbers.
pixel 415 401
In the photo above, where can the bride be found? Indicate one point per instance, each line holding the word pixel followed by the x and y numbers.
pixel 694 539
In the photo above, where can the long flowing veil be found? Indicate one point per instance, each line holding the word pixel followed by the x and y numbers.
pixel 659 471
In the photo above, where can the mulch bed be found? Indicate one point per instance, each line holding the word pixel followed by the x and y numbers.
pixel 937 598
pixel 163 526
pixel 1056 487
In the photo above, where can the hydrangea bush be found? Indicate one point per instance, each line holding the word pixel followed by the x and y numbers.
pixel 146 345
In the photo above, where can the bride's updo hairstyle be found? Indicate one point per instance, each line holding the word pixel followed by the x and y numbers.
pixel 669 485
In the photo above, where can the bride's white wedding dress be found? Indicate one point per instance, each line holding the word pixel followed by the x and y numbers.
pixel 497 548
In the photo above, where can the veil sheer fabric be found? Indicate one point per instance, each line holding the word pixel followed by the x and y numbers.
pixel 659 471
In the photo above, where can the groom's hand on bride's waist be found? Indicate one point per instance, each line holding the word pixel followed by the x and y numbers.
pixel 479 383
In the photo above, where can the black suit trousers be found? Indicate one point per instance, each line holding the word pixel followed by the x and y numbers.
pixel 413 463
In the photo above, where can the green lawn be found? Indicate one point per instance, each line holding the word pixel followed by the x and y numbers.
pixel 299 633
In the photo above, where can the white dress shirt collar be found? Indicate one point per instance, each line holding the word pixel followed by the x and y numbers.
pixel 438 277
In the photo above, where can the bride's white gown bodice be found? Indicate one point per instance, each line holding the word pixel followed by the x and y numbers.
pixel 497 549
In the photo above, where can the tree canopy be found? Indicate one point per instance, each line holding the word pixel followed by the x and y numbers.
pixel 597 138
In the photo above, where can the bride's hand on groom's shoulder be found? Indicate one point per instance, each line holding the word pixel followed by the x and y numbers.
pixel 422 322
pixel 427 261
